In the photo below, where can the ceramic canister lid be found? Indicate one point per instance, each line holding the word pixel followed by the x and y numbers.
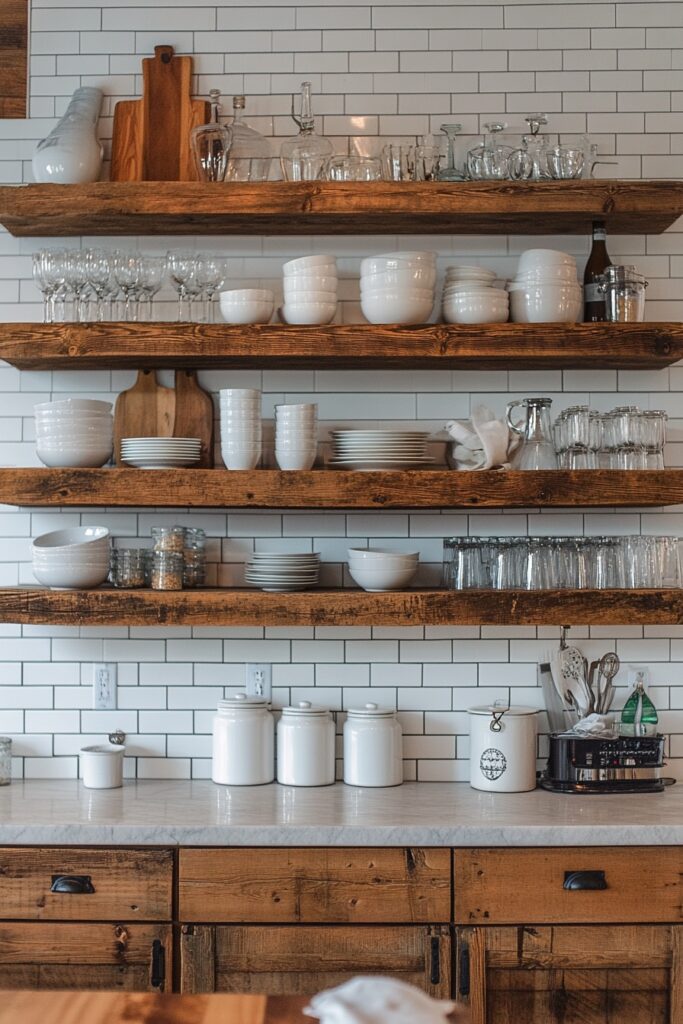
pixel 242 701
pixel 304 707
pixel 509 710
pixel 371 710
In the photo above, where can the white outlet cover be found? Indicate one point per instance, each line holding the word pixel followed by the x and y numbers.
pixel 104 675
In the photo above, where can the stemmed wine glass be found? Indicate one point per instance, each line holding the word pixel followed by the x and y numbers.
pixel 49 274
pixel 127 272
pixel 211 273
pixel 182 268
pixel 99 268
pixel 152 270
pixel 77 282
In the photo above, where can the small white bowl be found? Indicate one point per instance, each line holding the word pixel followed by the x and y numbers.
pixel 255 311
pixel 474 315
pixel 395 308
pixel 73 537
pixel 374 580
pixel 296 443
pixel 531 259
pixel 75 457
pixel 294 461
pixel 241 460
pixel 408 277
pixel 413 256
pixel 304 264
pixel 379 554
pixel 239 394
pixel 72 405
pixel 297 408
pixel 295 312
pixel 557 272
pixel 310 283
pixel 545 305
pixel 236 295
pixel 70 577
pixel 305 298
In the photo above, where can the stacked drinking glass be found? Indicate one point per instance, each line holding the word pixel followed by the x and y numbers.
pixel 624 438
pixel 296 435
pixel 241 427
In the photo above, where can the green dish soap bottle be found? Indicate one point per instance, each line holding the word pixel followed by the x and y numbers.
pixel 639 716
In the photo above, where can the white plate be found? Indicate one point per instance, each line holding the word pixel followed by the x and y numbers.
pixel 160 447
pixel 380 435
pixel 385 464
pixel 150 463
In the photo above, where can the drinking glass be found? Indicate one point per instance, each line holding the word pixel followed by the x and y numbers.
pixel 578 457
pixel 398 163
pixel 626 425
pixel 182 268
pixel 353 168
pixel 427 161
pixel 667 553
pixel 491 159
pixel 629 456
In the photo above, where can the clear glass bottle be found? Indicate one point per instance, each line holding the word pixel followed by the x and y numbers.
pixel 249 157
pixel 304 157
pixel 211 144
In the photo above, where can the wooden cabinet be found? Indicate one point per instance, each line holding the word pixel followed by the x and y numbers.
pixel 303 959
pixel 48 955
pixel 563 974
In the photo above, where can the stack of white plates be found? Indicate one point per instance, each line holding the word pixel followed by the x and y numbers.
pixel 274 571
pixel 160 452
pixel 379 449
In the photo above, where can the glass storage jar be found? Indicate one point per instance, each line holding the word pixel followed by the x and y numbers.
pixel 168 538
pixel 373 747
pixel 167 570
pixel 243 742
pixel 305 746
pixel 128 568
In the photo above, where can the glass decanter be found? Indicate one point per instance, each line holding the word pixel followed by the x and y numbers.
pixel 489 161
pixel 304 157
pixel 211 144
pixel 531 161
pixel 451 172
pixel 249 157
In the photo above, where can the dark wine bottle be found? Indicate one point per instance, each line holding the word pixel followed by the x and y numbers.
pixel 594 300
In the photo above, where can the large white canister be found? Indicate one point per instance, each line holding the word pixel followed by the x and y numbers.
pixel 305 746
pixel 503 748
pixel 243 742
pixel 373 747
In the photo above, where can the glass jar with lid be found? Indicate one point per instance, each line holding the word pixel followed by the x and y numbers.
pixel 373 747
pixel 243 742
pixel 305 746
pixel 249 156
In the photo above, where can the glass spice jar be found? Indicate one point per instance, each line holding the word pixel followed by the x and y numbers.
pixel 128 568
pixel 167 570
pixel 5 760
pixel 194 568
pixel 169 538
pixel 195 539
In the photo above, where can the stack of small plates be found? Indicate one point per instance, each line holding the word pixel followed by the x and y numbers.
pixel 379 449
pixel 160 452
pixel 279 572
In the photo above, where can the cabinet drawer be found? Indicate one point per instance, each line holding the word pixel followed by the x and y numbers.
pixel 641 884
pixel 71 884
pixel 315 885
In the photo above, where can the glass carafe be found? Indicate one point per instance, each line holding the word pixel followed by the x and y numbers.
pixel 531 161
pixel 211 144
pixel 249 156
pixel 536 449
pixel 490 161
pixel 304 157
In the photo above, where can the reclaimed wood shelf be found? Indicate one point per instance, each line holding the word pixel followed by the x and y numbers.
pixel 242 607
pixel 340 489
pixel 323 207
pixel 76 346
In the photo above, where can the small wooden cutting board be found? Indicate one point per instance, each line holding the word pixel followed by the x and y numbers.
pixel 194 414
pixel 151 136
pixel 145 410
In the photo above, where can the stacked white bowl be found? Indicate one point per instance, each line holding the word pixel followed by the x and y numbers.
pixel 296 436
pixel 398 287
pixel 310 290
pixel 247 305
pixel 67 559
pixel 377 569
pixel 74 432
pixel 241 427
pixel 546 288
pixel 469 297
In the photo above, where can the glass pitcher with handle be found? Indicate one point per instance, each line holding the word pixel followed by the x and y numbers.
pixel 536 449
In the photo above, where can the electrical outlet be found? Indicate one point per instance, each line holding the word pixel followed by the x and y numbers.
pixel 104 686
pixel 259 680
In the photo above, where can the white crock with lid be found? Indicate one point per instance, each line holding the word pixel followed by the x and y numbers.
pixel 243 742
pixel 305 746
pixel 503 748
pixel 373 747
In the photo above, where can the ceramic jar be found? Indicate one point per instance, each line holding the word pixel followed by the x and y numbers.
pixel 243 742
pixel 71 154
pixel 102 766
pixel 305 746
pixel 373 747
pixel 503 748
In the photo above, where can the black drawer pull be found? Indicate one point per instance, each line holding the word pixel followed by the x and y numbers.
pixel 74 884
pixel 584 880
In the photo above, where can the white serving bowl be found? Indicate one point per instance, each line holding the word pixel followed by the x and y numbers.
pixel 241 437
pixel 533 259
pixel 305 298
pixel 395 308
pixel 73 537
pixel 471 289
pixel 408 277
pixel 72 416
pixel 382 579
pixel 293 460
pixel 295 312
pixel 74 456
pixel 388 562
pixel 379 554
pixel 74 435
pixel 237 295
pixel 306 264
pixel 310 282
pixel 70 577
pixel 559 273
pixel 547 304
pixel 475 314
pixel 66 405
pixel 416 294
pixel 393 262
pixel 285 430
pixel 469 270
pixel 255 311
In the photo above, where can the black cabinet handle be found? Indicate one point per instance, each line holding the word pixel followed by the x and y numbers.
pixel 73 884
pixel 435 972
pixel 464 972
pixel 584 880
pixel 158 975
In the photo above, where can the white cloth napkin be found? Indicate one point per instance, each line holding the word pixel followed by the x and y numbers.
pixel 595 725
pixel 485 446
pixel 376 1000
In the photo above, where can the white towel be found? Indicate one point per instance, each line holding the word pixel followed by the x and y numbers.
pixel 376 1000
pixel 486 446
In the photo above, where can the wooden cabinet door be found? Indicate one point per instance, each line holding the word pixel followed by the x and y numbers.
pixel 46 955
pixel 303 959
pixel 564 974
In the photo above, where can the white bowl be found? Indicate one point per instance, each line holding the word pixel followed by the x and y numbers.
pixel 559 272
pixel 475 314
pixel 545 305
pixel 416 294
pixel 378 554
pixel 382 579
pixel 469 270
pixel 296 444
pixel 297 409
pixel 61 437
pixel 241 437
pixel 310 282
pixel 296 298
pixel 256 311
pixel 73 405
pixel 68 577
pixel 241 460
pixel 72 416
pixel 395 308
pixel 235 296
pixel 392 262
pixel 295 312
pixel 239 394
pixel 292 460
pixel 73 537
pixel 413 256
pixel 308 263
pixel 404 277
pixel 74 456
pixel 532 259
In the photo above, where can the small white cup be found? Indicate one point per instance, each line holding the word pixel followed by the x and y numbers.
pixel 102 766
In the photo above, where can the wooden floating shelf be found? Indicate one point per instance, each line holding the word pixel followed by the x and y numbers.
pixel 305 208
pixel 339 489
pixel 339 607
pixel 341 346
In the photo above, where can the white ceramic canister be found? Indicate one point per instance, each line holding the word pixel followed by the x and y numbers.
pixel 102 766
pixel 373 747
pixel 243 742
pixel 503 748
pixel 305 746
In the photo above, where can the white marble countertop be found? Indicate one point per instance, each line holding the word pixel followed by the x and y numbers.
pixel 163 813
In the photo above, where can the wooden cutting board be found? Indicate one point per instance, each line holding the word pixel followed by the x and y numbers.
pixel 151 136
pixel 145 410
pixel 194 414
